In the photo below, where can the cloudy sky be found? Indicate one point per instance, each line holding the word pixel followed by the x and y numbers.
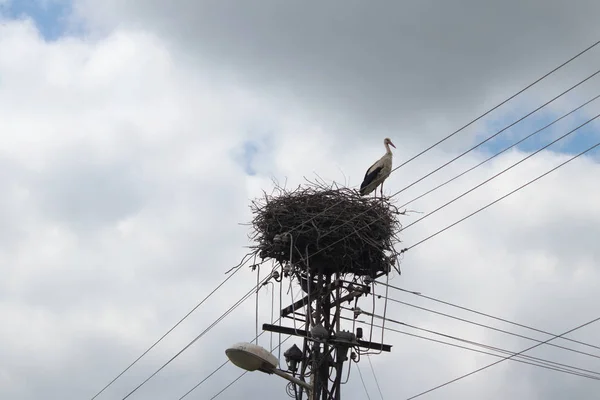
pixel 136 133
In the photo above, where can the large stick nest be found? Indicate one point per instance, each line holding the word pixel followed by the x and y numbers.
pixel 328 228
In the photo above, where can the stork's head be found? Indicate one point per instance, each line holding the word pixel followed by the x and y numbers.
pixel 387 141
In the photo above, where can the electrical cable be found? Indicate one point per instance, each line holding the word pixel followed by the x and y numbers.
pixel 236 379
pixel 375 375
pixel 539 362
pixel 478 211
pixel 560 165
pixel 205 379
pixel 502 359
pixel 493 328
pixel 502 172
pixel 484 314
pixel 561 366
pixel 477 119
pixel 407 186
pixel 348 375
pixel 215 371
pixel 407 161
pixel 472 342
pixel 229 385
pixel 496 348
pixel 399 166
pixel 501 152
pixel 468 216
pixel 406 249
pixel 496 134
pixel 363 381
pixel 502 103
pixel 224 315
pixel 257 289
pixel 500 198
pixel 239 266
pixel 455 158
pixel 272 312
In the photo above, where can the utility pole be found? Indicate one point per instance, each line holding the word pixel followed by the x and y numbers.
pixel 326 345
pixel 334 243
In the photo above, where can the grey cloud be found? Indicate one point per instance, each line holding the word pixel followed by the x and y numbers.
pixel 12 195
pixel 87 193
pixel 194 216
pixel 555 385
pixel 381 65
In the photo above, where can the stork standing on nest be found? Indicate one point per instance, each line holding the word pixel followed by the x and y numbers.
pixel 378 172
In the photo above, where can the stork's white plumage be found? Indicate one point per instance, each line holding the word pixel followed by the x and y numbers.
pixel 378 172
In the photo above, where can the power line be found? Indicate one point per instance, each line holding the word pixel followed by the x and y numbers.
pixel 476 343
pixel 217 369
pixel 500 198
pixel 481 209
pixel 363 381
pixel 243 373
pixel 484 140
pixel 484 314
pixel 501 152
pixel 559 366
pixel 205 379
pixel 375 376
pixel 545 173
pixel 229 385
pixel 414 157
pixel 502 172
pixel 225 314
pixel 491 328
pixel 496 134
pixel 535 340
pixel 477 119
pixel 503 359
pixel 504 102
pixel 398 192
pixel 241 264
pixel 537 362
pixel 553 169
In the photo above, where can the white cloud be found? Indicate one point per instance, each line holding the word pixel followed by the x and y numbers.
pixel 120 209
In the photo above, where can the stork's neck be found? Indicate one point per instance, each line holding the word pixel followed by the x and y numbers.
pixel 388 151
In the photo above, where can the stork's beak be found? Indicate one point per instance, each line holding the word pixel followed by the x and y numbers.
pixel 392 144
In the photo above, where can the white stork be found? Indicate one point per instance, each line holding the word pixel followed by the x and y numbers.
pixel 378 172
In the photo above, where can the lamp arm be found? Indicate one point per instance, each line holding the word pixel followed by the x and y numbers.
pixel 292 379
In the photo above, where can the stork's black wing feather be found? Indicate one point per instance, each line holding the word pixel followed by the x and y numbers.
pixel 369 177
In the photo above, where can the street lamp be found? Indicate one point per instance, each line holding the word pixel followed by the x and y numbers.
pixel 252 357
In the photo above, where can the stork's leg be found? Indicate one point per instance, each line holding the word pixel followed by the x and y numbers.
pixel 381 190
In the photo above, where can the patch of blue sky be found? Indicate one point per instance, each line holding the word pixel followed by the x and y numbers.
pixel 576 142
pixel 248 154
pixel 49 16
pixel 255 153
pixel 584 138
